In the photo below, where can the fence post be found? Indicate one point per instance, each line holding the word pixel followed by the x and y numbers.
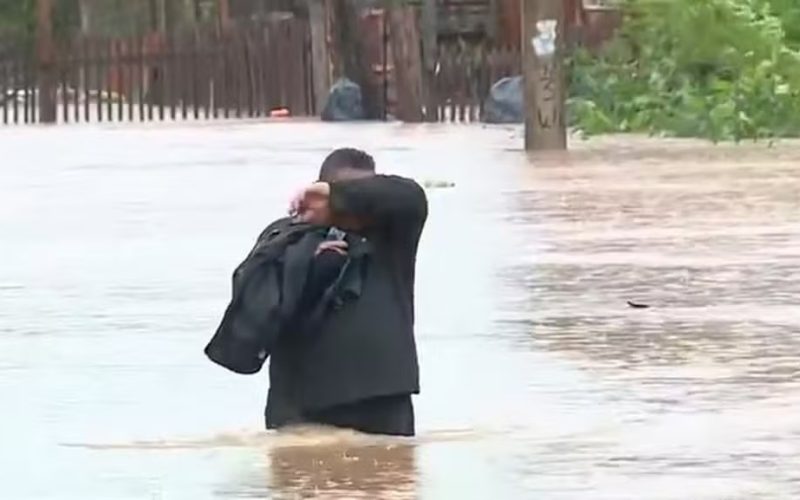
pixel 224 14
pixel 430 38
pixel 320 57
pixel 405 41
pixel 350 55
pixel 45 49
pixel 543 70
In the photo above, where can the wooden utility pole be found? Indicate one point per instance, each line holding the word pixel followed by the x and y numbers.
pixel 320 55
pixel 405 42
pixel 46 52
pixel 543 37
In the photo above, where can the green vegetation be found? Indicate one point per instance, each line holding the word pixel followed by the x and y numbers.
pixel 16 18
pixel 719 69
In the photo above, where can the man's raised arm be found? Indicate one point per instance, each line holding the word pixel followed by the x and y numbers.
pixel 378 201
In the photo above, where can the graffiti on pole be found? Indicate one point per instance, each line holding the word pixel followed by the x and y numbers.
pixel 544 47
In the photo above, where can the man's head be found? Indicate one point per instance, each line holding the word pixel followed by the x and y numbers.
pixel 346 163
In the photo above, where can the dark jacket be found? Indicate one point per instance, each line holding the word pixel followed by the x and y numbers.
pixel 260 303
pixel 362 348
pixel 271 295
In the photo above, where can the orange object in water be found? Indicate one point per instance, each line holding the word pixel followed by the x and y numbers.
pixel 279 113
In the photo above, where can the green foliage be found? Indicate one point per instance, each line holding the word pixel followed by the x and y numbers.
pixel 17 20
pixel 720 69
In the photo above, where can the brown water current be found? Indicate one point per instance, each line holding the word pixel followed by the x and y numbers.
pixel 539 380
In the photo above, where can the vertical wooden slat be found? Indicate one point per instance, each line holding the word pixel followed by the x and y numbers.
pixel 16 69
pixel 141 77
pixel 444 89
pixel 475 83
pixel 195 78
pixel 271 90
pixel 4 89
pixel 225 80
pixel 288 71
pixel 483 82
pixel 266 69
pixel 173 76
pixel 130 73
pixel 161 58
pixel 240 75
pixel 216 83
pixel 108 50
pixel 183 69
pixel 297 87
pixel 120 68
pixel 301 47
pixel 298 96
pixel 75 63
pixel 244 75
pixel 63 72
pixel 308 71
pixel 462 87
pixel 278 74
pixel 87 75
pixel 209 69
pixel 150 78
pixel 236 73
pixel 250 67
pixel 100 78
pixel 26 79
pixel 258 70
pixel 32 77
pixel 35 97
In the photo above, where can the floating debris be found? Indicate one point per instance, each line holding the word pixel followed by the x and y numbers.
pixel 431 184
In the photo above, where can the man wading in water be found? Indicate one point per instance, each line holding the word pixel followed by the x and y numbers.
pixel 357 368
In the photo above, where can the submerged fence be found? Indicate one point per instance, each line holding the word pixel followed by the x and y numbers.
pixel 253 71
pixel 249 72
pixel 463 77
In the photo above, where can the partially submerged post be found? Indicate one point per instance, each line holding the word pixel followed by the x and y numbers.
pixel 429 54
pixel 350 57
pixel 224 15
pixel 46 55
pixel 543 34
pixel 405 41
pixel 320 56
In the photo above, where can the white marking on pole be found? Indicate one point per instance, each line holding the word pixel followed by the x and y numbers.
pixel 544 43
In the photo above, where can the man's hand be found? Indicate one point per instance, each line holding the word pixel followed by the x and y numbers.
pixel 338 246
pixel 312 204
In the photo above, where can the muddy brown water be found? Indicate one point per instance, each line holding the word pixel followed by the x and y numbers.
pixel 539 381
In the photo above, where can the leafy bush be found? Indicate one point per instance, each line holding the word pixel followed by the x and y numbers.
pixel 720 69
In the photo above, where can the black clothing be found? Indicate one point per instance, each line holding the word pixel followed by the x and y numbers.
pixel 362 349
pixel 269 296
pixel 391 415
pixel 253 320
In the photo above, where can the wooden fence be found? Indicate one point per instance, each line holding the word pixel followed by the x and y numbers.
pixel 249 72
pixel 463 78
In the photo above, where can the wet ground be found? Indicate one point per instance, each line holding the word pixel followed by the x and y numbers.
pixel 539 380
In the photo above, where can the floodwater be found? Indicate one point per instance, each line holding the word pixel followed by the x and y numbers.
pixel 539 381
